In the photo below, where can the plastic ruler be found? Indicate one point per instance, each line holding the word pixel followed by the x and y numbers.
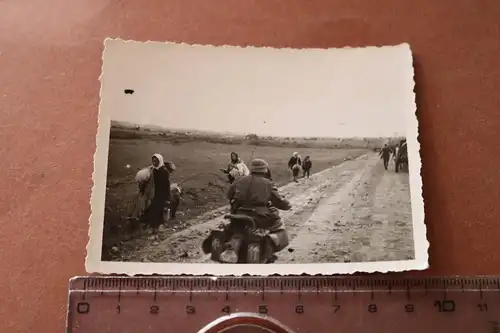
pixel 284 304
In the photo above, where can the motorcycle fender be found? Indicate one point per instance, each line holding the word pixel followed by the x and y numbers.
pixel 275 239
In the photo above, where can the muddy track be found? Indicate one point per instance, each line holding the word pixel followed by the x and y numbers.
pixel 355 211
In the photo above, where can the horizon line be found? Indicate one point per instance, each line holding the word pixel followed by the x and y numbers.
pixel 130 125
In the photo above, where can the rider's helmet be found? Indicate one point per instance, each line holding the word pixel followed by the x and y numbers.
pixel 258 166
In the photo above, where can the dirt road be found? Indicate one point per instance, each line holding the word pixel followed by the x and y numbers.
pixel 353 212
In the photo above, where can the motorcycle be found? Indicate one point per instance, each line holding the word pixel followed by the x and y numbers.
pixel 240 240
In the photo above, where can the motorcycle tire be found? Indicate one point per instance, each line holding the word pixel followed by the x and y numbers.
pixel 253 254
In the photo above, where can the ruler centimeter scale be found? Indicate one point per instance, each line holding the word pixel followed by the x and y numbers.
pixel 283 304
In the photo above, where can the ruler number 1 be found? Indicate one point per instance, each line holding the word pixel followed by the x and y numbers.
pixel 483 307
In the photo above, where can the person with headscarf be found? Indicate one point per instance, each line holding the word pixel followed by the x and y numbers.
pixel 154 193
pixel 236 168
pixel 294 164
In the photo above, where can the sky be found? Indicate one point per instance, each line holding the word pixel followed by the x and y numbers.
pixel 349 92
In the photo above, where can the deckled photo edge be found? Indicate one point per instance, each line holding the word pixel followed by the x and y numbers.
pixel 415 173
pixel 99 175
pixel 94 264
pixel 111 41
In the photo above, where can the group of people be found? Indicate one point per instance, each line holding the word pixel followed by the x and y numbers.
pixel 296 164
pixel 394 150
pixel 157 198
pixel 237 168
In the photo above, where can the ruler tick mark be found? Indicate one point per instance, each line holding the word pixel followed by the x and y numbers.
pixel 84 290
pixel 445 294
pixel 335 290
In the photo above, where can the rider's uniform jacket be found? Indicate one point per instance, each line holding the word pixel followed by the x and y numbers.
pixel 261 194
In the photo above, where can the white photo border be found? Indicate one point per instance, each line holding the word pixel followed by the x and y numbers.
pixel 94 264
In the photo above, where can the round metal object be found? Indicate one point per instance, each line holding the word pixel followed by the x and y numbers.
pixel 245 322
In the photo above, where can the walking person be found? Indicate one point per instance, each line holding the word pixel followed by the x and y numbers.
pixel 295 164
pixel 236 168
pixel 307 166
pixel 385 154
pixel 154 193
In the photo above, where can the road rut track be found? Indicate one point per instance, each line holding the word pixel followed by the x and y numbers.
pixel 353 212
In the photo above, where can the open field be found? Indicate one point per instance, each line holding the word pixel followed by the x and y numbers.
pixel 198 162
pixel 353 212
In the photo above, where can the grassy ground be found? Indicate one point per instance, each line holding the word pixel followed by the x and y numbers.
pixel 198 165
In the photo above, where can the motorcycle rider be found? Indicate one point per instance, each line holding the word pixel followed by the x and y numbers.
pixel 259 193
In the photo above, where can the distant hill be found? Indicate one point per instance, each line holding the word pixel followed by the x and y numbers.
pixel 124 130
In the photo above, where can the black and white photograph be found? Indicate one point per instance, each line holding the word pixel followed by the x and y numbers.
pixel 256 160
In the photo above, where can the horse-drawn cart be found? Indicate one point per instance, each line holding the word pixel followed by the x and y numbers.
pixel 401 157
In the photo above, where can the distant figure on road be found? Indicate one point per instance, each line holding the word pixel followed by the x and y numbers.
pixel 295 164
pixel 306 166
pixel 385 154
pixel 402 156
pixel 236 168
pixel 395 152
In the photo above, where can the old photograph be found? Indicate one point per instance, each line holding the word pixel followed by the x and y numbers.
pixel 256 160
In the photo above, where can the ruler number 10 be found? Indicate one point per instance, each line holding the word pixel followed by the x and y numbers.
pixel 445 306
